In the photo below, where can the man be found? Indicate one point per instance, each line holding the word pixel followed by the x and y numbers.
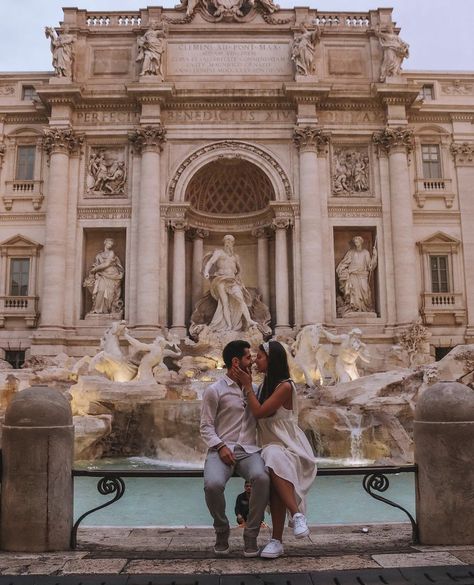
pixel 242 504
pixel 229 430
pixel 222 268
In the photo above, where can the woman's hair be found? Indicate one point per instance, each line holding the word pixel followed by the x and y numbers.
pixel 277 370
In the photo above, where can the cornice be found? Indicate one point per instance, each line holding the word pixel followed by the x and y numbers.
pixel 26 119
pixel 66 93
pixel 172 105
pixel 129 106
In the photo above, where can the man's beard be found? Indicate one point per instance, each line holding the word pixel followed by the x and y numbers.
pixel 246 369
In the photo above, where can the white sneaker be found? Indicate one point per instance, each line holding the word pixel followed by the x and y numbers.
pixel 273 549
pixel 300 528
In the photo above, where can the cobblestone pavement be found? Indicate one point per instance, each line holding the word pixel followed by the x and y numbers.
pixel 188 551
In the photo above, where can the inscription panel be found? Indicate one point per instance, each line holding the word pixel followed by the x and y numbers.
pixel 219 116
pixel 99 117
pixel 196 59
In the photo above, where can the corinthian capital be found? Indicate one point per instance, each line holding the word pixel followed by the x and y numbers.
pixel 148 137
pixel 463 153
pixel 178 224
pixel 390 138
pixel 281 223
pixel 61 140
pixel 308 137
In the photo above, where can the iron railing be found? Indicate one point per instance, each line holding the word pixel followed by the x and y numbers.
pixel 112 483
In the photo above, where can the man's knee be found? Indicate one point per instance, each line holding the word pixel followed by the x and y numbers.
pixel 260 479
pixel 213 487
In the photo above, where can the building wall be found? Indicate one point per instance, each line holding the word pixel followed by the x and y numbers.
pixel 242 107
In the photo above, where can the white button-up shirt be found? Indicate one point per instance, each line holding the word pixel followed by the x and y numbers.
pixel 226 417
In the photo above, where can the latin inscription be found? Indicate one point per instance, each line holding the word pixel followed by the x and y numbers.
pixel 227 116
pixel 229 59
pixel 103 117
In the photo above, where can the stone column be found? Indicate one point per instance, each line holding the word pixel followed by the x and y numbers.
pixel 197 237
pixel 463 153
pixel 443 437
pixel 58 144
pixel 282 326
pixel 179 227
pixel 149 141
pixel 263 274
pixel 37 490
pixel 308 139
pixel 398 143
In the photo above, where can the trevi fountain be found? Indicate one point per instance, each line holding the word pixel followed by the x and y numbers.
pixel 133 398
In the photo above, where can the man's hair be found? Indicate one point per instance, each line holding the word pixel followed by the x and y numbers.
pixel 234 349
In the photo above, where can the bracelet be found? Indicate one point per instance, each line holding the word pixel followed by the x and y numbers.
pixel 219 447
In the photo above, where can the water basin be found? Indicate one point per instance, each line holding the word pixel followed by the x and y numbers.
pixel 180 501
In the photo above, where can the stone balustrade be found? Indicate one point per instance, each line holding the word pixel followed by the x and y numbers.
pixel 24 307
pixel 435 304
pixel 20 189
pixel 111 19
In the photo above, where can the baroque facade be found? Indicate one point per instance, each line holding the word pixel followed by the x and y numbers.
pixel 347 183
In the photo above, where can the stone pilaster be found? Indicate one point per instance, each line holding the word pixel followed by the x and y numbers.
pixel 197 236
pixel 58 143
pixel 463 154
pixel 179 227
pixel 263 275
pixel 148 141
pixel 397 143
pixel 280 225
pixel 309 140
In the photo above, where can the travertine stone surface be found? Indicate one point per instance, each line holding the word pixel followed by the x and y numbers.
pixel 444 436
pixel 37 491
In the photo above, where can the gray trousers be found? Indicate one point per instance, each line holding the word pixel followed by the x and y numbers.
pixel 216 475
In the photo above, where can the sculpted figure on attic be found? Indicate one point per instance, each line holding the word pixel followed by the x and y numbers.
pixel 394 51
pixel 232 9
pixel 62 51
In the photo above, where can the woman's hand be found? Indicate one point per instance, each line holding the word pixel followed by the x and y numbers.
pixel 244 378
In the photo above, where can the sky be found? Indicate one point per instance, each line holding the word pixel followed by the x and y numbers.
pixel 440 32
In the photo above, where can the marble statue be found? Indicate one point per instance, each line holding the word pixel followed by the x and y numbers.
pixel 110 360
pixel 303 50
pixel 222 268
pixel 351 172
pixel 104 282
pixel 62 51
pixel 394 51
pixel 354 273
pixel 350 350
pixel 233 9
pixel 106 177
pixel 151 47
pixel 152 355
pixel 312 356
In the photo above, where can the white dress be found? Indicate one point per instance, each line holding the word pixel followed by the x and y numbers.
pixel 286 450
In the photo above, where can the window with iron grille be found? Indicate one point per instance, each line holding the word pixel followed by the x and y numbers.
pixel 439 274
pixel 15 357
pixel 19 276
pixel 431 161
pixel 28 93
pixel 25 163
pixel 427 92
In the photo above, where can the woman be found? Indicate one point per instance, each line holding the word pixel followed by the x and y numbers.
pixel 285 449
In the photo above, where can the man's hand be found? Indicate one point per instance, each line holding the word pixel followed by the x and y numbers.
pixel 244 377
pixel 226 456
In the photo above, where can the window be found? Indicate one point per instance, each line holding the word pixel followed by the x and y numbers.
pixel 19 276
pixel 25 163
pixel 439 274
pixel 440 352
pixel 431 161
pixel 427 92
pixel 29 93
pixel 16 357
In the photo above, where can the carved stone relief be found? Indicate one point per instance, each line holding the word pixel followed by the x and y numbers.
pixel 230 10
pixel 350 171
pixel 6 90
pixel 457 88
pixel 106 171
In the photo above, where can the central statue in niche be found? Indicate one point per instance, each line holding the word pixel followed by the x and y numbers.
pixel 228 306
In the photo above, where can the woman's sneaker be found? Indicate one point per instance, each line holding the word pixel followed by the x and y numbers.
pixel 300 528
pixel 273 549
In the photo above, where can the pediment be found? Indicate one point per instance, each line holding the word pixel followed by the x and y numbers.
pixel 439 241
pixel 19 241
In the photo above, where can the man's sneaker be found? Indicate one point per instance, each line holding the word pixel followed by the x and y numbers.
pixel 221 548
pixel 273 549
pixel 250 546
pixel 300 528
